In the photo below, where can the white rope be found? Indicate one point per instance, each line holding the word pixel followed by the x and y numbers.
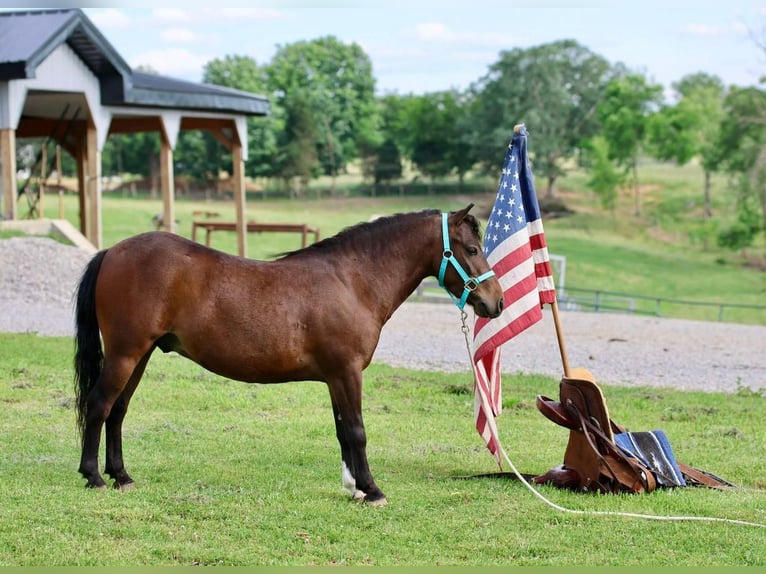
pixel 560 508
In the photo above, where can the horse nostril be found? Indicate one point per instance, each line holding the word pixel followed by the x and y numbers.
pixel 500 305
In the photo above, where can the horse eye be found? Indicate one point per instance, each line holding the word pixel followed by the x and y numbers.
pixel 472 251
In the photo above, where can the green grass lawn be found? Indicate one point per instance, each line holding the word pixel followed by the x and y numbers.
pixel 235 474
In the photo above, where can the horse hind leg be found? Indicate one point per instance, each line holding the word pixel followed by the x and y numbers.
pixel 110 384
pixel 115 465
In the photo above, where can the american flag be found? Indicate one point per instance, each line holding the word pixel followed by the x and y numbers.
pixel 514 244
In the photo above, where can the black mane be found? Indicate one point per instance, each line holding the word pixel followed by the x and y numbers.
pixel 362 232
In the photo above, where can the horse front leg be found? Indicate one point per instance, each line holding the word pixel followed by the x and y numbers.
pixel 346 393
pixel 346 464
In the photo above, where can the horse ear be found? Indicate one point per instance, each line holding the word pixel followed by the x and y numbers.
pixel 460 215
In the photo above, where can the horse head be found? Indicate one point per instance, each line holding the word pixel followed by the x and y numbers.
pixel 464 271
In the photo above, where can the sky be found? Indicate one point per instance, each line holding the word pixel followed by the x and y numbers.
pixel 419 46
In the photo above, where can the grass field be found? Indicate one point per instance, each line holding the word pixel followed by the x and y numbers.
pixel 234 474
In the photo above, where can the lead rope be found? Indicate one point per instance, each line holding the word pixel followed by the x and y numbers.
pixel 466 330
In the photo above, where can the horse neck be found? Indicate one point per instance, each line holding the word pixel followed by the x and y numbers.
pixel 397 259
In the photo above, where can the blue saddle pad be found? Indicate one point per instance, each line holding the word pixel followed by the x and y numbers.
pixel 653 450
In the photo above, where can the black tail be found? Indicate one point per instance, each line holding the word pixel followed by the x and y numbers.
pixel 89 356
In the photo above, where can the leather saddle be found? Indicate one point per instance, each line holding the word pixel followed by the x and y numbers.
pixel 593 462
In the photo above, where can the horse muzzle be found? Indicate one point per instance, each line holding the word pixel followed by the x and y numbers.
pixel 488 307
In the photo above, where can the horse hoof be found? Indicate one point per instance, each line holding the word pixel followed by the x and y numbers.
pixel 95 486
pixel 125 486
pixel 358 495
pixel 378 502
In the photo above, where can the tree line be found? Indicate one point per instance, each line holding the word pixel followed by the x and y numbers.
pixel 582 110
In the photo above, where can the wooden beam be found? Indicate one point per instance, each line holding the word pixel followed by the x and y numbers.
pixel 211 124
pixel 8 179
pixel 134 125
pixel 225 131
pixel 45 127
pixel 238 169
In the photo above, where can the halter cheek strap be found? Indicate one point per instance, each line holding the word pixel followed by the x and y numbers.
pixel 469 283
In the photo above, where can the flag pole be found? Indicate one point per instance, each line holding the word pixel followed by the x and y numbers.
pixel 560 337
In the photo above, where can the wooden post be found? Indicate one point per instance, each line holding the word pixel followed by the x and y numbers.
pixel 93 187
pixel 82 195
pixel 41 186
pixel 238 169
pixel 560 337
pixel 8 180
pixel 58 182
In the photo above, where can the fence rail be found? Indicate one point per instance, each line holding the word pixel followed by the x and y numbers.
pixel 599 301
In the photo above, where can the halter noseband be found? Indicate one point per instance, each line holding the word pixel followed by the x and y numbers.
pixel 469 283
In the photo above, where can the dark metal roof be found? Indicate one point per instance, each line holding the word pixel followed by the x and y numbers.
pixel 161 91
pixel 27 38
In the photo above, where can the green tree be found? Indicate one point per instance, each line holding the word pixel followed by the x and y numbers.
pixel 741 234
pixel 604 178
pixel 437 141
pixel 243 73
pixel 388 163
pixel 395 117
pixel 134 153
pixel 691 127
pixel 297 159
pixel 554 89
pixel 742 144
pixel 461 155
pixel 624 111
pixel 337 85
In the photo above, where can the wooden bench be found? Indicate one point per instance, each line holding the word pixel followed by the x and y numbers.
pixel 253 227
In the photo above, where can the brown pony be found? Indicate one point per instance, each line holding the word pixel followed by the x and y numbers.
pixel 314 314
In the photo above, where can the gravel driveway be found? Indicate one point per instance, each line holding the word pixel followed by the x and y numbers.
pixel 39 275
pixel 619 349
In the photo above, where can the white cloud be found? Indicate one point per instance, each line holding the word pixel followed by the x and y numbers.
pixel 178 35
pixel 434 31
pixel 706 31
pixel 208 15
pixel 110 18
pixel 174 62
pixel 171 15
pixel 438 32
pixel 258 14
pixel 703 30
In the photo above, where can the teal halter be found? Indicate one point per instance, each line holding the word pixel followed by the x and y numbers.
pixel 469 283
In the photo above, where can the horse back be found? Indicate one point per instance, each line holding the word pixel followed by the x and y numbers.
pixel 149 278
